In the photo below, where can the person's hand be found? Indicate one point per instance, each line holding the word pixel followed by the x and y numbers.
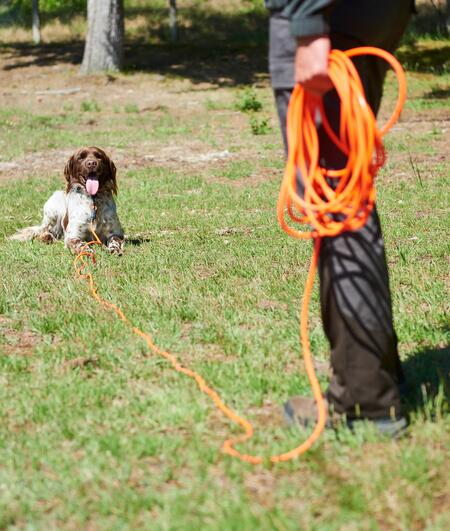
pixel 311 64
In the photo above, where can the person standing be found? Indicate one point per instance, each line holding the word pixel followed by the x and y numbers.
pixel 366 373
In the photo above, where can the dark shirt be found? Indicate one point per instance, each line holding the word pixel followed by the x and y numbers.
pixel 307 17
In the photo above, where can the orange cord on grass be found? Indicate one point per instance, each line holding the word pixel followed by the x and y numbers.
pixel 352 198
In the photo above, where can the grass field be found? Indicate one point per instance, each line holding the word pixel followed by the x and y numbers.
pixel 97 433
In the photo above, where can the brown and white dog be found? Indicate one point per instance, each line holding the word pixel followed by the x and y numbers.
pixel 90 187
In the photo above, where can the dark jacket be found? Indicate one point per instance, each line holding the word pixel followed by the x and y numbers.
pixel 307 17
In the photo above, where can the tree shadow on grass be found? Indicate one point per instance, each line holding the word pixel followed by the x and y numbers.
pixel 47 54
pixel 427 374
pixel 438 94
pixel 225 49
pixel 220 65
pixel 222 48
pixel 434 59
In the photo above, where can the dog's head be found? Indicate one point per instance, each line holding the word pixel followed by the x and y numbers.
pixel 91 168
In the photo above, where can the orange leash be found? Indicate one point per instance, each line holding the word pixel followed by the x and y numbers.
pixel 352 198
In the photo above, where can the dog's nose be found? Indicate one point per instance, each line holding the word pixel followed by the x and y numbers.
pixel 91 164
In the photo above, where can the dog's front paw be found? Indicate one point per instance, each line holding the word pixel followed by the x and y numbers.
pixel 76 246
pixel 115 245
pixel 46 237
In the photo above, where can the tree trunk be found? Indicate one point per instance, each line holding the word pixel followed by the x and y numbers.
pixel 448 17
pixel 173 20
pixel 103 50
pixel 36 23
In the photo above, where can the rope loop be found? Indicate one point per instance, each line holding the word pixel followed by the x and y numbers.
pixel 337 200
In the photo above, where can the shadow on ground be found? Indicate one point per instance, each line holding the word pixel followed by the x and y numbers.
pixel 220 48
pixel 223 48
pixel 427 374
pixel 438 94
pixel 435 59
pixel 137 240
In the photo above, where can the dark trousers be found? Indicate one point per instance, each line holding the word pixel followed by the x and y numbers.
pixel 354 283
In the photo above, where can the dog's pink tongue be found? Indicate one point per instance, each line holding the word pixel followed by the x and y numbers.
pixel 92 186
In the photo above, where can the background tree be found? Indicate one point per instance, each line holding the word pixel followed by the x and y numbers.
pixel 448 17
pixel 104 40
pixel 173 19
pixel 36 23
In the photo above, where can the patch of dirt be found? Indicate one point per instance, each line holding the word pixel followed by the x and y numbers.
pixel 266 304
pixel 45 81
pixel 187 155
pixel 48 89
pixel 52 162
pixel 262 487
pixel 230 231
pixel 81 362
pixel 55 88
pixel 20 342
pixel 268 414
pixel 204 272
pixel 49 162
pixel 213 353
pixel 186 330
pixel 297 365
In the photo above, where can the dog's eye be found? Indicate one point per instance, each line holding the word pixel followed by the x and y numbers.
pixel 81 156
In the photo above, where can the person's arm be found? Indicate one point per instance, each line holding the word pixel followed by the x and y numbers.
pixel 310 25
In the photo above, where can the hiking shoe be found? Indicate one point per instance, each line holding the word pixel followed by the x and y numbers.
pixel 301 411
pixel 391 428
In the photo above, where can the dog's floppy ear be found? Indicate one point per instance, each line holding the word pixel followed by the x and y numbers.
pixel 110 170
pixel 112 174
pixel 69 171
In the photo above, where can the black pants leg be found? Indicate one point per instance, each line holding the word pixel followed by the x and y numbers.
pixel 354 282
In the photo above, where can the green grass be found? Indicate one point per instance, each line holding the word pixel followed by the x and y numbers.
pixel 124 441
pixel 98 433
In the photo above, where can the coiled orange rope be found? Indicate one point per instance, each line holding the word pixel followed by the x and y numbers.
pixel 352 198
